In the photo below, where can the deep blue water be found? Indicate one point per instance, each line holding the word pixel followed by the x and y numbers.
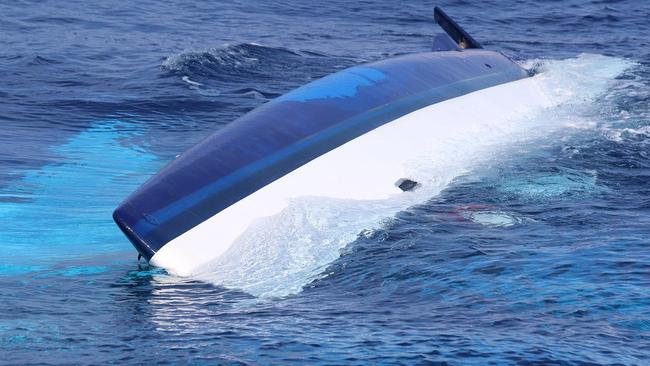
pixel 538 255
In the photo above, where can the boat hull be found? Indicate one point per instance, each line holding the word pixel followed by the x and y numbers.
pixel 351 135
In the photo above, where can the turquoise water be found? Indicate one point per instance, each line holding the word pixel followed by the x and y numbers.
pixel 61 211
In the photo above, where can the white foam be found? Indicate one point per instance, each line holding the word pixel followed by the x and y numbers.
pixel 279 254
pixel 491 218
pixel 193 83
pixel 619 135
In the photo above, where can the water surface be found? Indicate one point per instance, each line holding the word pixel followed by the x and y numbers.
pixel 537 254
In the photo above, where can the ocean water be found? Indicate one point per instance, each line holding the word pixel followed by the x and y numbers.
pixel 533 249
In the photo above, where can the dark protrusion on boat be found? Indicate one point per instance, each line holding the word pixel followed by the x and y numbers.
pixel 455 31
pixel 406 184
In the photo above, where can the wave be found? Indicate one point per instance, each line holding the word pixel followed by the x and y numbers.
pixel 238 59
pixel 223 71
pixel 625 134
pixel 555 184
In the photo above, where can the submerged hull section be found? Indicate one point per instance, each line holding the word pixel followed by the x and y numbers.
pixel 348 135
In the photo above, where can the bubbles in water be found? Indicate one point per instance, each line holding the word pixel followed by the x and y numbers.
pixel 620 135
pixel 210 61
pixel 192 83
pixel 552 185
pixel 491 217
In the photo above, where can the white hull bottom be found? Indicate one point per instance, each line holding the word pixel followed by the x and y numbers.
pixel 366 168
